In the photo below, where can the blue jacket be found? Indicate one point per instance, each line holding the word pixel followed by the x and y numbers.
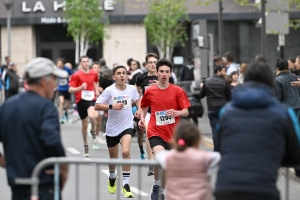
pixel 284 92
pixel 30 132
pixel 257 135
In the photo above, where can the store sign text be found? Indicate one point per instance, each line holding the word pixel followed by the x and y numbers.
pixel 39 6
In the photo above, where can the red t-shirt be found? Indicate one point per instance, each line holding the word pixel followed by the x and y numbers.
pixel 160 100
pixel 80 77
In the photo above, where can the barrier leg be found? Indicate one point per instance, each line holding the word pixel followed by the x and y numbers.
pixel 56 182
pixel 287 184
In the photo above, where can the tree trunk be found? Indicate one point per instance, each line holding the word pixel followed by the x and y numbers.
pixel 77 49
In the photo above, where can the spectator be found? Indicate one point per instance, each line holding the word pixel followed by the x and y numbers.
pixel 202 164
pixel 251 125
pixel 292 66
pixel 104 70
pixel 30 131
pixel 231 66
pixel 11 81
pixel 218 93
pixel 283 90
pixel 187 71
pixel 242 70
pixel 6 64
pixel 234 80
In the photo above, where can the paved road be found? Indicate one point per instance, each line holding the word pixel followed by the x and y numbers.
pixel 72 141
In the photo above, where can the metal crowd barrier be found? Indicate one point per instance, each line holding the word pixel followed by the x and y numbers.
pixel 33 181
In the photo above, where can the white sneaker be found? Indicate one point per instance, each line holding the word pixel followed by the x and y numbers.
pixel 95 146
pixel 86 152
pixel 95 139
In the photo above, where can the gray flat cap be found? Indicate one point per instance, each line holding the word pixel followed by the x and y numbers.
pixel 40 67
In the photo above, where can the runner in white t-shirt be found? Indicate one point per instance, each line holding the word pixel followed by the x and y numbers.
pixel 117 99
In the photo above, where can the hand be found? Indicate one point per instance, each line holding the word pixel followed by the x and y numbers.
pixel 173 113
pixel 101 89
pixel 83 86
pixel 97 93
pixel 137 114
pixel 118 106
pixel 142 124
pixel 296 83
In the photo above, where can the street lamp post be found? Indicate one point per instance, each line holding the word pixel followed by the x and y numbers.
pixel 221 29
pixel 8 4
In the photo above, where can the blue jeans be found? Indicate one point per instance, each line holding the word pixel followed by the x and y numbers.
pixel 213 115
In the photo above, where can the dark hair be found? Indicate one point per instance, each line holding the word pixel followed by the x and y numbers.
pixel 164 61
pixel 234 72
pixel 81 57
pixel 260 58
pixel 61 59
pixel 293 60
pixel 218 68
pixel 137 63
pixel 102 62
pixel 188 132
pixel 129 61
pixel 118 67
pixel 282 64
pixel 229 56
pixel 151 55
pixel 6 57
pixel 96 63
pixel 259 72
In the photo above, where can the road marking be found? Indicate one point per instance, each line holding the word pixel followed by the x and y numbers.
pixel 133 189
pixel 73 151
pixel 208 141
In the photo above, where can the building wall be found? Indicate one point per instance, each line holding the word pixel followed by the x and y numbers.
pixel 23 45
pixel 125 41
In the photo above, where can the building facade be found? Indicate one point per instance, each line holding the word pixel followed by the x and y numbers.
pixel 39 29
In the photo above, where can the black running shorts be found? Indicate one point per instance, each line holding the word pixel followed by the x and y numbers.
pixel 83 106
pixel 65 94
pixel 157 141
pixel 113 141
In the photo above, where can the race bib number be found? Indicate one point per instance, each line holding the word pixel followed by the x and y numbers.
pixel 163 119
pixel 122 99
pixel 87 95
pixel 63 81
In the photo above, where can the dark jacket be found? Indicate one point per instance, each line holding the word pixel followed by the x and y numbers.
pixel 285 93
pixel 217 90
pixel 30 132
pixel 257 135
pixel 187 72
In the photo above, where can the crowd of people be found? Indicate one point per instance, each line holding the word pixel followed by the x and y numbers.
pixel 253 113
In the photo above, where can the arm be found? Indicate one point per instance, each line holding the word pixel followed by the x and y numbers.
pixel 202 93
pixel 214 163
pixel 228 91
pixel 296 83
pixel 143 115
pixel 178 113
pixel 102 102
pixel 96 87
pixel 292 152
pixel 278 90
pixel 2 161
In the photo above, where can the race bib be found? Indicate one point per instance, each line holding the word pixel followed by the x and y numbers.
pixel 122 99
pixel 63 81
pixel 163 119
pixel 87 95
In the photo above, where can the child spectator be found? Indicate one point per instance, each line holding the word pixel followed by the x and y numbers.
pixel 187 169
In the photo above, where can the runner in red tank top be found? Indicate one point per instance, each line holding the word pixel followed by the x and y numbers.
pixel 84 83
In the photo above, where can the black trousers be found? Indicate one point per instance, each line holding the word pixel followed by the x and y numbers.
pixel 245 196
pixel 24 192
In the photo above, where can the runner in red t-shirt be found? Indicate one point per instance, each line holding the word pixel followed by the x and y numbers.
pixel 84 83
pixel 168 103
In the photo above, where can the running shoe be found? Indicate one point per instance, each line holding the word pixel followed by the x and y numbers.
pixel 142 156
pixel 112 187
pixel 150 172
pixel 62 120
pixel 154 192
pixel 95 146
pixel 86 152
pixel 66 116
pixel 95 138
pixel 126 191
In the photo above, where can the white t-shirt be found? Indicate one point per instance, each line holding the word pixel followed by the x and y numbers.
pixel 118 120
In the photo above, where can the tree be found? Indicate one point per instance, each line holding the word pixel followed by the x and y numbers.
pixel 86 24
pixel 166 25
